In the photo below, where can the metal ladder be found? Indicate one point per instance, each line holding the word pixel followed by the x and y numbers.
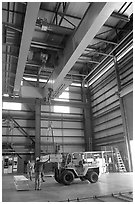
pixel 120 162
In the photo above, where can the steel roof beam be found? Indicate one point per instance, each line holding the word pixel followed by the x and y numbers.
pixel 17 12
pixel 89 49
pixel 114 14
pixel 11 45
pixel 12 26
pixel 114 27
pixel 65 8
pixel 111 52
pixel 106 41
pixel 120 16
pixel 69 22
pixel 61 14
pixel 38 44
pixel 87 60
pixel 43 102
pixel 51 31
pixel 94 19
pixel 28 29
pixel 10 54
pixel 54 20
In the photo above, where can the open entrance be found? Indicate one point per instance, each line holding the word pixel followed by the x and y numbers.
pixel 9 164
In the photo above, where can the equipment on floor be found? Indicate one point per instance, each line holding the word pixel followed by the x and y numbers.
pixel 113 197
pixel 120 163
pixel 81 165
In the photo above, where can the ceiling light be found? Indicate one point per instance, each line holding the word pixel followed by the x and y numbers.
pixel 6 95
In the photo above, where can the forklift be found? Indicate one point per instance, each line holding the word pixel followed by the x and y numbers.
pixel 81 165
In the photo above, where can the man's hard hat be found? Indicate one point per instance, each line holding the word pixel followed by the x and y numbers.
pixel 37 159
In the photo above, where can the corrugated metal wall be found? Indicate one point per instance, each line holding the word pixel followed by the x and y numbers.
pixel 68 130
pixel 107 120
pixel 25 124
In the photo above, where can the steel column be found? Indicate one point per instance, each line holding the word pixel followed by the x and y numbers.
pixel 123 114
pixel 37 127
pixel 87 121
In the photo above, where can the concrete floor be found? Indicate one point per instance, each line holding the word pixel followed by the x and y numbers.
pixel 55 192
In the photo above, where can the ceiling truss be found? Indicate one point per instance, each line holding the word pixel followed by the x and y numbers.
pixel 57 30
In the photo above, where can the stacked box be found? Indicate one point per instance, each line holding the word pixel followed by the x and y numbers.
pixel 21 182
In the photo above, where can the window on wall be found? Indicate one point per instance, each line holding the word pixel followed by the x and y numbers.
pixel 61 109
pixel 63 97
pixel 11 106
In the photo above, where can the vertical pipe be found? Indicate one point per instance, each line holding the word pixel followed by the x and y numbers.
pixel 123 114
pixel 38 127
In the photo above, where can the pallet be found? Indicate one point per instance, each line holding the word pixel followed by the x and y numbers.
pixel 21 183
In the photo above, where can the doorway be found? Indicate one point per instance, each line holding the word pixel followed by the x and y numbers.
pixel 9 164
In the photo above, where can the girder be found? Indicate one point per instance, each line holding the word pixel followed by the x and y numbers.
pixel 95 17
pixel 29 26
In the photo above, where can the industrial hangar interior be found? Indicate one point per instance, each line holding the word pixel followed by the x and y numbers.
pixel 67 92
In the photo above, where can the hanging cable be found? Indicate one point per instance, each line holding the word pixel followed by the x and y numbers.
pixel 50 129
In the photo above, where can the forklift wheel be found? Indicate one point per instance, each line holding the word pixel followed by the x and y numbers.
pixel 57 177
pixel 67 177
pixel 92 176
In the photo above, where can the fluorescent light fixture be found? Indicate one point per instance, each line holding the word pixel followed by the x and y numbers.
pixel 30 79
pixel 6 95
pixel 16 96
pixel 51 81
pixel 34 79
pixel 43 80
pixel 76 84
pixel 61 99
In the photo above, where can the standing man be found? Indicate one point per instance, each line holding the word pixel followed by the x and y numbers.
pixel 29 170
pixel 38 170
pixel 42 173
